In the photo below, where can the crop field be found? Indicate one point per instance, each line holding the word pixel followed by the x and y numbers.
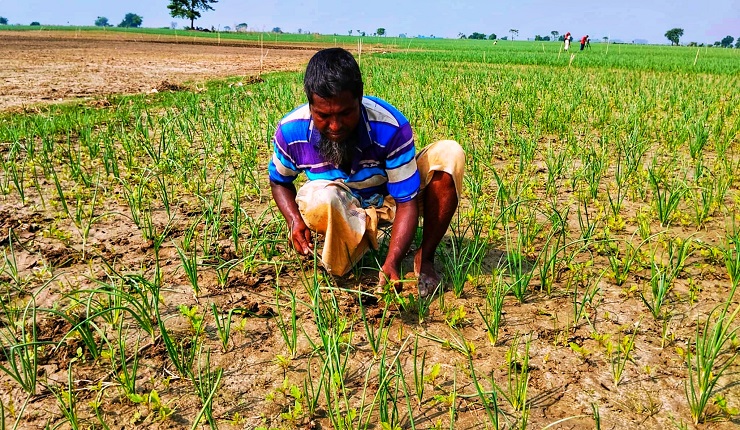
pixel 590 271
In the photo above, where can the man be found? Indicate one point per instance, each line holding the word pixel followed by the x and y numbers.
pixel 584 39
pixel 358 154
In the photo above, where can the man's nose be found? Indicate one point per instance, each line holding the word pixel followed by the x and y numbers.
pixel 335 125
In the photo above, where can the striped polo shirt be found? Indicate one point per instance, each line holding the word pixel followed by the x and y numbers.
pixel 385 162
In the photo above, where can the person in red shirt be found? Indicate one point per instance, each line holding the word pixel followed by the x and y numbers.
pixel 584 39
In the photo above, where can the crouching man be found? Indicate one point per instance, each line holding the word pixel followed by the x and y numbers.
pixel 362 168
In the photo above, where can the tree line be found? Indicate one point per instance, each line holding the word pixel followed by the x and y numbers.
pixel 674 35
pixel 191 9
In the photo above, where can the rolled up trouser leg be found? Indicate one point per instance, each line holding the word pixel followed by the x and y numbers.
pixel 329 208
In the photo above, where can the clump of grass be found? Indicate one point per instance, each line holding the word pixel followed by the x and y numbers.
pixel 707 363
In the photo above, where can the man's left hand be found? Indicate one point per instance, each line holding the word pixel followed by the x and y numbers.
pixel 388 275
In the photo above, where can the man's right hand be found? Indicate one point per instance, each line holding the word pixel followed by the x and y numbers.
pixel 300 236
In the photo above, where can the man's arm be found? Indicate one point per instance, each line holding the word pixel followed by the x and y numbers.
pixel 402 234
pixel 300 235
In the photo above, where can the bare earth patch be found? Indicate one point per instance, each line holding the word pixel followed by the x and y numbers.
pixel 49 66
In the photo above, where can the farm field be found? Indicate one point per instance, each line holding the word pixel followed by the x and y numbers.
pixel 56 65
pixel 146 282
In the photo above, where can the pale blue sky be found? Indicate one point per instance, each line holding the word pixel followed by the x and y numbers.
pixel 702 20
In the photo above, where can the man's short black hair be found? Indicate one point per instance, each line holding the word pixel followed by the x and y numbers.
pixel 331 71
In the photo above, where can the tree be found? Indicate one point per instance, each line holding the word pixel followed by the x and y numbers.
pixel 492 36
pixel 3 20
pixel 727 41
pixel 102 22
pixel 241 27
pixel 737 43
pixel 381 31
pixel 131 20
pixel 189 9
pixel 350 32
pixel 514 32
pixel 555 34
pixel 673 35
pixel 276 30
pixel 36 24
pixel 605 39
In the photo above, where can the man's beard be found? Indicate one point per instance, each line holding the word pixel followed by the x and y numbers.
pixel 338 153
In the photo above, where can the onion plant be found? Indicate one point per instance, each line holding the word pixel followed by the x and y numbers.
pixel 189 262
pixel 661 283
pixel 206 383
pixel 709 361
pixel 376 338
pixel 493 306
pixel 22 349
pixel 667 194
pixel 288 329
pixel 584 300
pixel 67 400
pixel 223 326
pixel 124 366
pixel 517 377
pixel 620 353
pixel 731 253
pixel 468 247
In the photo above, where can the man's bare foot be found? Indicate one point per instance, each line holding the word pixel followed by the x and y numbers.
pixel 428 280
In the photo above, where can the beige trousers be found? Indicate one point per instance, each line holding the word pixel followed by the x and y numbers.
pixel 330 208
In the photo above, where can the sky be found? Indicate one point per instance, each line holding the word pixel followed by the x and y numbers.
pixel 704 21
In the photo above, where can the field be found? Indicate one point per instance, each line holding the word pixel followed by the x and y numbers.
pixel 53 66
pixel 145 278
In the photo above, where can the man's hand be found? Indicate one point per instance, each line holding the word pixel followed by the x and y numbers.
pixel 300 236
pixel 388 275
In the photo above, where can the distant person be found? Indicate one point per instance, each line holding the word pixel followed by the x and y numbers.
pixel 567 40
pixel 584 39
pixel 588 42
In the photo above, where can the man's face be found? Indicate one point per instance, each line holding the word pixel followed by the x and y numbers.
pixel 336 117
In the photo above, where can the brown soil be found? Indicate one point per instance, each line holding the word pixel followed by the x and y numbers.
pixel 43 67
pixel 52 66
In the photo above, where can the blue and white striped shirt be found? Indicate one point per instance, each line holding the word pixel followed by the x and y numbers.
pixel 385 162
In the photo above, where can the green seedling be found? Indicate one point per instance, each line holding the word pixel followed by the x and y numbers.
pixel 223 326
pixel 289 329
pixel 619 354
pixel 493 307
pixel 708 363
